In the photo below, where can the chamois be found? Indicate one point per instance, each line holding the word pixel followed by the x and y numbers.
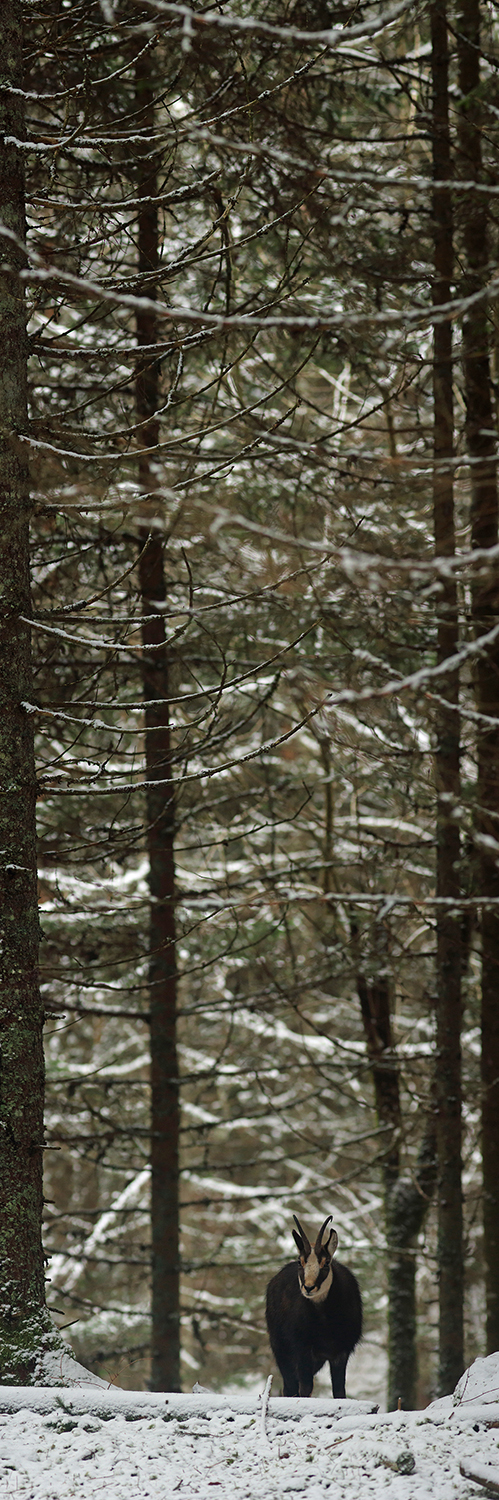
pixel 314 1314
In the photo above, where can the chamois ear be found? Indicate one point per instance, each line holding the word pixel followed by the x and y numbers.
pixel 303 1243
pixel 327 1238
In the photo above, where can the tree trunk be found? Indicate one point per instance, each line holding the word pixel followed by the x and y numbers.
pixel 447 757
pixel 408 1205
pixel 165 1372
pixel 21 1016
pixel 406 1199
pixel 480 426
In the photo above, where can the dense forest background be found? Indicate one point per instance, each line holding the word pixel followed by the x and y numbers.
pixel 259 276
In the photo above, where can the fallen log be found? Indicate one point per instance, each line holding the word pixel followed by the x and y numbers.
pixel 135 1406
pixel 483 1474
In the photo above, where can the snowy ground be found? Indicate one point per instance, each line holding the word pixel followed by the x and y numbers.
pixel 118 1445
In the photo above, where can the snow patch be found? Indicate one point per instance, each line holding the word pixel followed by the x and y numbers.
pixel 61 1369
pixel 55 1444
pixel 479 1383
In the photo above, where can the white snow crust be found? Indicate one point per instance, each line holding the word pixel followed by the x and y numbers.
pixel 89 1442
pixel 480 1382
pixel 58 1368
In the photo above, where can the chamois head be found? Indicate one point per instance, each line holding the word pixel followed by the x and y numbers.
pixel 315 1271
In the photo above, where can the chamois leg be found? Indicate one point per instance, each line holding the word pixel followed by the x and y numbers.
pixel 337 1368
pixel 305 1380
pixel 289 1377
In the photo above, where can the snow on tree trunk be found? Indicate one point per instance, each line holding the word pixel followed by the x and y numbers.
pixel 22 1292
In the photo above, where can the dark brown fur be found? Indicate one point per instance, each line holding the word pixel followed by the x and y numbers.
pixel 303 1334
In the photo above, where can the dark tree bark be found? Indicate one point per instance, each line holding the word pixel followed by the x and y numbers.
pixel 406 1198
pixel 447 757
pixel 165 1373
pixel 481 441
pixel 21 1017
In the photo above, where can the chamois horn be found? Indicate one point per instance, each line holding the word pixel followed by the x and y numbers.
pixel 318 1242
pixel 305 1242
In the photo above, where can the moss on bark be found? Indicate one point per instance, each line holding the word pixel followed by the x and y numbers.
pixel 26 1331
pixel 30 1346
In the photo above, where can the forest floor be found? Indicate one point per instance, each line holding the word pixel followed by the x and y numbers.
pixel 198 1444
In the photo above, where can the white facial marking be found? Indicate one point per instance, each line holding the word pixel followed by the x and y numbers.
pixel 312 1269
pixel 320 1292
